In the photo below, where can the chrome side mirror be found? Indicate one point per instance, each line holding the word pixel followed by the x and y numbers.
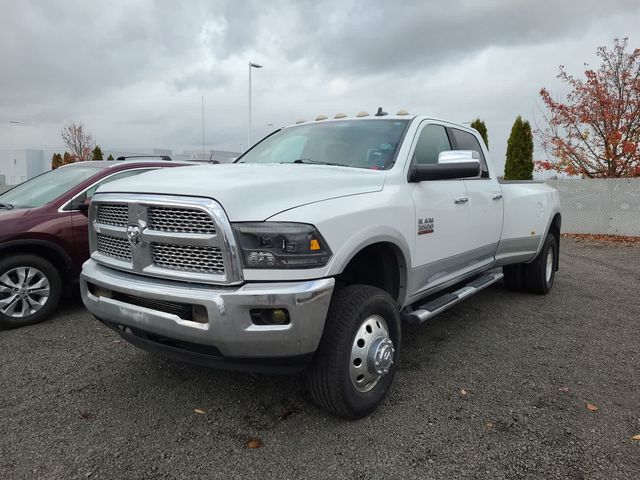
pixel 452 165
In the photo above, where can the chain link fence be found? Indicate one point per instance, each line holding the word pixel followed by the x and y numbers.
pixel 600 206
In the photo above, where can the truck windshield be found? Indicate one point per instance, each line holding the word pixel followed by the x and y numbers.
pixel 47 187
pixel 368 143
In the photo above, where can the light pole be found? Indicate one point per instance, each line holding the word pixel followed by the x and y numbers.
pixel 251 65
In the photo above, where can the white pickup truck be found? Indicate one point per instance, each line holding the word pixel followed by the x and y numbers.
pixel 312 248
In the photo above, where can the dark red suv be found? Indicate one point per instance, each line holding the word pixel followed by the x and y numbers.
pixel 43 235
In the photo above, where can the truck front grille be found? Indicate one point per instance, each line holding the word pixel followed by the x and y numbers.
pixel 181 220
pixel 187 258
pixel 116 214
pixel 114 247
pixel 180 238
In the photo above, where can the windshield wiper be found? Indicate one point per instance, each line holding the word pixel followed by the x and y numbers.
pixel 8 206
pixel 317 162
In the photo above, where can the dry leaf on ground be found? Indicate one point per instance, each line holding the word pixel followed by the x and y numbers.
pixel 199 411
pixel 637 437
pixel 591 407
pixel 463 391
pixel 564 389
pixel 612 240
pixel 254 442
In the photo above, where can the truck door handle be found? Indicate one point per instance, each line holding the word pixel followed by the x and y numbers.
pixel 497 196
pixel 461 199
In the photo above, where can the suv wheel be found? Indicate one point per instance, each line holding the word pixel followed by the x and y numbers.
pixel 30 290
pixel 356 361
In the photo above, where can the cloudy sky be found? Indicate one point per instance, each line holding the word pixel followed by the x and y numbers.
pixel 134 72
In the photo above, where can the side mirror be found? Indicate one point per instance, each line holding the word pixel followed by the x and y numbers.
pixel 453 164
pixel 80 205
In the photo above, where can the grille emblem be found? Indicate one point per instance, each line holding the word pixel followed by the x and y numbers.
pixel 134 232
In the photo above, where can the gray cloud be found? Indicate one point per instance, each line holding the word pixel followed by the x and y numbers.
pixel 135 72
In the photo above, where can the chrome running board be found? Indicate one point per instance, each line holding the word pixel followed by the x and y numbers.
pixel 442 303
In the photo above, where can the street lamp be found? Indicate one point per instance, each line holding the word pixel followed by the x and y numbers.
pixel 251 65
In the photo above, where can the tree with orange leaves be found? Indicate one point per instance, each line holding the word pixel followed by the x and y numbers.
pixel 595 131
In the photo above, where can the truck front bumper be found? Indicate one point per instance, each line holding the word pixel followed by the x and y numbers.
pixel 155 314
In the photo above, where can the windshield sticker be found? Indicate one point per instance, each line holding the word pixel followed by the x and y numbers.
pixel 425 225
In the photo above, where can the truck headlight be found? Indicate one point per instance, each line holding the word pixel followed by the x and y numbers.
pixel 281 245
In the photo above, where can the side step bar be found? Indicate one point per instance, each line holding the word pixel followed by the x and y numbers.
pixel 440 304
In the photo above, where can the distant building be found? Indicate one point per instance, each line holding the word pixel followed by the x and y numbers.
pixel 222 156
pixel 16 166
pixel 19 165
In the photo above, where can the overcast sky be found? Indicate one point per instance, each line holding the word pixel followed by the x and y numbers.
pixel 134 72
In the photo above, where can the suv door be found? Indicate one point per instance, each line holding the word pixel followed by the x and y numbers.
pixel 485 202
pixel 442 217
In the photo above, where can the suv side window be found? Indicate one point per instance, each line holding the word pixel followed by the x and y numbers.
pixel 118 176
pixel 89 193
pixel 433 140
pixel 466 141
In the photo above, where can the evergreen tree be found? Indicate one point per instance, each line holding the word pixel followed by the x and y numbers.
pixel 519 165
pixel 67 158
pixel 482 130
pixel 56 161
pixel 110 158
pixel 97 153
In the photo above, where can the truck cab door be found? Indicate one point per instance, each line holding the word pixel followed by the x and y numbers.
pixel 485 202
pixel 441 217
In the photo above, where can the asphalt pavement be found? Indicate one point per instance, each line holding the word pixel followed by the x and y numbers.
pixel 504 385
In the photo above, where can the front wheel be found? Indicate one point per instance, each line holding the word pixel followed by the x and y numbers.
pixel 356 361
pixel 30 290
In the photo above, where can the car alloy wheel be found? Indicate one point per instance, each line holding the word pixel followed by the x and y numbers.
pixel 23 291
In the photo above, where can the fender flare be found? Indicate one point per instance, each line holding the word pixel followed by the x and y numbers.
pixel 370 236
pixel 56 249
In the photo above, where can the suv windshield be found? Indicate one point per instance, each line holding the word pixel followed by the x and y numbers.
pixel 47 187
pixel 351 143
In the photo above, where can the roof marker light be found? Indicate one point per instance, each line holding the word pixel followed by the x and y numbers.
pixel 362 114
pixel 402 112
pixel 321 117
pixel 340 115
pixel 300 120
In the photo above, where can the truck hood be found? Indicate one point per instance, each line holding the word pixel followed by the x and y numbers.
pixel 254 192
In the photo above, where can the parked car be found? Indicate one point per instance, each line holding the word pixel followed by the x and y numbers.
pixel 43 235
pixel 331 233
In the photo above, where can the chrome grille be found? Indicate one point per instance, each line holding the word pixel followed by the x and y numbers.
pixel 187 258
pixel 166 236
pixel 116 214
pixel 180 220
pixel 117 248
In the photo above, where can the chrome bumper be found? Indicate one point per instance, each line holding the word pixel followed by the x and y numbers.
pixel 229 329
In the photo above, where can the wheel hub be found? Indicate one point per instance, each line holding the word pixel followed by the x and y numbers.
pixel 380 356
pixel 372 354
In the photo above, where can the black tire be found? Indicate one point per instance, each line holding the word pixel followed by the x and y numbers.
pixel 513 277
pixel 536 276
pixel 49 306
pixel 329 377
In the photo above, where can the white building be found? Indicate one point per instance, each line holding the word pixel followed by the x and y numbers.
pixel 19 165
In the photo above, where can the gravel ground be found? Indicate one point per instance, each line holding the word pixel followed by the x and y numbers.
pixel 495 388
